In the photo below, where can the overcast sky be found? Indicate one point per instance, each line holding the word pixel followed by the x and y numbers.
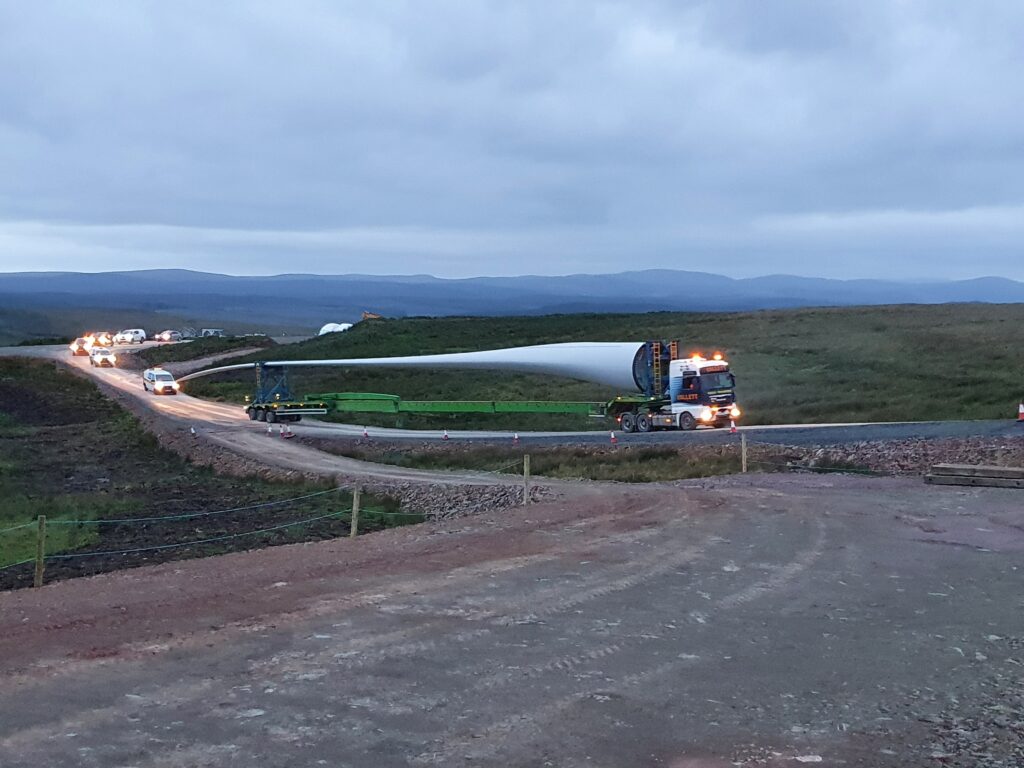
pixel 881 139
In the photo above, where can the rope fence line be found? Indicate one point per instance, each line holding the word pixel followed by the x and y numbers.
pixel 191 515
pixel 17 527
pixel 212 539
pixel 515 464
pixel 15 565
pixel 342 516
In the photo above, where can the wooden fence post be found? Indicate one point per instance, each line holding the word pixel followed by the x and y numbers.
pixel 526 479
pixel 355 512
pixel 743 450
pixel 40 552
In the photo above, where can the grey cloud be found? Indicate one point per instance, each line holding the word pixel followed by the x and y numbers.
pixel 526 137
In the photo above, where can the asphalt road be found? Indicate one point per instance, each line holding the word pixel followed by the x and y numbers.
pixel 220 417
pixel 755 621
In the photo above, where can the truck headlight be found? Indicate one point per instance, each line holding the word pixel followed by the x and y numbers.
pixel 706 415
pixel 734 412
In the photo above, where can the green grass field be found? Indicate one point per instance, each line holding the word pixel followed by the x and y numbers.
pixel 632 464
pixel 959 361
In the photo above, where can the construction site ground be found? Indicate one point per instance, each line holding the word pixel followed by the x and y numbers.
pixel 758 620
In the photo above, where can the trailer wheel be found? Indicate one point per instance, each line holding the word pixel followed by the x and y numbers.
pixel 261 415
pixel 628 421
pixel 687 422
pixel 271 417
pixel 643 422
pixel 252 413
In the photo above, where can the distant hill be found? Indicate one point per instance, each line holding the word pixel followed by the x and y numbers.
pixel 298 300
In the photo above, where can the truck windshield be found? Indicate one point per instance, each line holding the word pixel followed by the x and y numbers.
pixel 711 381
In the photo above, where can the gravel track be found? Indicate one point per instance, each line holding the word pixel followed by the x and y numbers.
pixel 741 621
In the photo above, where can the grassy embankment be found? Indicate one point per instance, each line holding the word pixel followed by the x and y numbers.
pixel 67 452
pixel 627 464
pixel 899 363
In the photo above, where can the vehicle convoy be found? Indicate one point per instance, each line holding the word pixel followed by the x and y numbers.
pixel 675 393
pixel 130 336
pixel 101 356
pixel 159 382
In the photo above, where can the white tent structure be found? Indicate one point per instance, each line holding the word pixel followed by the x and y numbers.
pixel 334 328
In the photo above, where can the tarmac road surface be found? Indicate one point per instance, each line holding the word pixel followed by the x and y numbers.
pixel 768 621
pixel 202 413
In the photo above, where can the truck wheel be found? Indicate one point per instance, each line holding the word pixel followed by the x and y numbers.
pixel 252 413
pixel 643 422
pixel 628 422
pixel 261 415
pixel 687 422
pixel 271 417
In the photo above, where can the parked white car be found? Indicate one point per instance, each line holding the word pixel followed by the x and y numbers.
pixel 130 336
pixel 100 356
pixel 159 382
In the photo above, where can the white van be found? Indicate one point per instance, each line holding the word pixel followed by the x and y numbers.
pixel 130 336
pixel 159 382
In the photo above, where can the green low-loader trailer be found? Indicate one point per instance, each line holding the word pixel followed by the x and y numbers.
pixel 363 402
pixel 369 402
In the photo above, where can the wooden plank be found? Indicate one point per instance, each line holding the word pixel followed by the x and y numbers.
pixel 978 470
pixel 991 482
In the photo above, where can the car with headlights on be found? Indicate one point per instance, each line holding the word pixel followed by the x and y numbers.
pixel 102 356
pixel 159 382
pixel 80 346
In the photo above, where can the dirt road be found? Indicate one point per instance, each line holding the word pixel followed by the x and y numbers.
pixel 746 621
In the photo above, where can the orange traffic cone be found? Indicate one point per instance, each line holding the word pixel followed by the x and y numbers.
pixel 732 426
pixel 288 431
pixel 614 440
pixel 445 435
pixel 270 431
pixel 1020 413
pixel 515 439
pixel 280 431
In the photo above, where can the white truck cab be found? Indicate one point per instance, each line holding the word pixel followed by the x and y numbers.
pixel 701 391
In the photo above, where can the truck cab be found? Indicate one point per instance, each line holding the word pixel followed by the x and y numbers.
pixel 700 391
pixel 678 392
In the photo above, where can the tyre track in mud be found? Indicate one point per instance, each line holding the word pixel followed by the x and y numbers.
pixel 486 742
